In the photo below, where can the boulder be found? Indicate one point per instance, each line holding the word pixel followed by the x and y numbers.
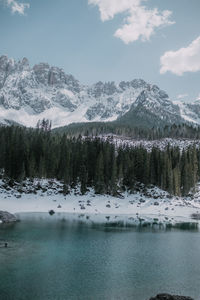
pixel 170 297
pixel 6 217
pixel 51 212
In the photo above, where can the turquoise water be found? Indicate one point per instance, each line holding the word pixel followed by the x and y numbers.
pixel 54 259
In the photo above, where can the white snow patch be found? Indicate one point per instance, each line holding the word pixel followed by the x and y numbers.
pixel 154 203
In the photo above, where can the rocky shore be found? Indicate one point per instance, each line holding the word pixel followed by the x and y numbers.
pixel 6 217
pixel 170 297
pixel 146 205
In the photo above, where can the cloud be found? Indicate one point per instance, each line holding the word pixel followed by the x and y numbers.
pixel 109 8
pixel 181 96
pixel 139 22
pixel 17 7
pixel 183 60
pixel 198 97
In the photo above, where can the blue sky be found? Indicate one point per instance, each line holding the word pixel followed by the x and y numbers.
pixel 109 40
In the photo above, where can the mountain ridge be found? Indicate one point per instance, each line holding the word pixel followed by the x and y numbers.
pixel 28 94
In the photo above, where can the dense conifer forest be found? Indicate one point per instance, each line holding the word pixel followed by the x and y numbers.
pixel 30 153
pixel 118 128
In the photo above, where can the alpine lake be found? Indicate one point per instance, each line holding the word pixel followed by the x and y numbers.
pixel 58 258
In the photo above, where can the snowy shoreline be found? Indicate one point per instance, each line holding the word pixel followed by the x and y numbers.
pixel 154 206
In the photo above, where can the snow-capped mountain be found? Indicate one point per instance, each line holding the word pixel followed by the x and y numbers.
pixel 29 94
pixel 190 111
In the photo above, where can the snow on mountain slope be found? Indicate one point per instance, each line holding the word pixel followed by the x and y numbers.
pixel 190 111
pixel 153 108
pixel 31 94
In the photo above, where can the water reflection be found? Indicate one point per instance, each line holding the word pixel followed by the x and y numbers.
pixel 59 257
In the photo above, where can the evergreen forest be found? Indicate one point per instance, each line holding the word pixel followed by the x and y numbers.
pixel 94 163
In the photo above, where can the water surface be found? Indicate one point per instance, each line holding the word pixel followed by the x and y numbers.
pixel 52 258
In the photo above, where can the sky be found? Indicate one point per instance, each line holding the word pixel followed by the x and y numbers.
pixel 109 40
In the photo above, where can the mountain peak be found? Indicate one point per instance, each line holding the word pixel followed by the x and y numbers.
pixel 28 94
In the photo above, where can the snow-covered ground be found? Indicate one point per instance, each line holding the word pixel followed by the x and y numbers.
pixel 152 205
pixel 149 144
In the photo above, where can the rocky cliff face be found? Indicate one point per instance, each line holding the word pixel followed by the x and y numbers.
pixel 37 88
pixel 29 94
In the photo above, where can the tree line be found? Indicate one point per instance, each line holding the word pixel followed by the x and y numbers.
pixel 30 153
pixel 118 128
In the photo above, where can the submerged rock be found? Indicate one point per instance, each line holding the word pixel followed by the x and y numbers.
pixel 6 217
pixel 170 297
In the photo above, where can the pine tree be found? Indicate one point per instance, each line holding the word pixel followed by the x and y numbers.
pixel 99 176
pixel 113 179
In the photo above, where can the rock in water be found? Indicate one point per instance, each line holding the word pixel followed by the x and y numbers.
pixel 6 217
pixel 170 297
pixel 51 212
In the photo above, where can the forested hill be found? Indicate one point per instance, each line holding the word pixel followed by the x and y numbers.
pixel 126 130
pixel 28 153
